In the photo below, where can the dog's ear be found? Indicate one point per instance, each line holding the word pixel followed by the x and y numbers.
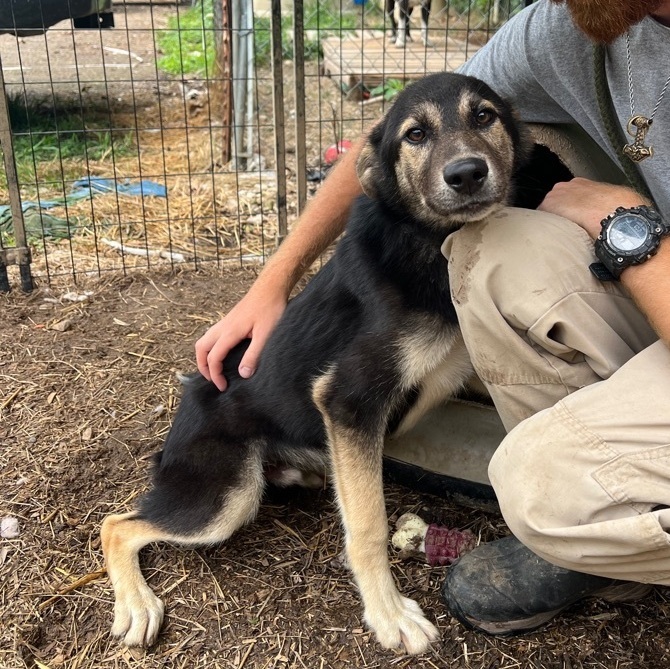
pixel 367 166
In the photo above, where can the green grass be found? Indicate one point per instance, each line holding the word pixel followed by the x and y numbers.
pixel 389 89
pixel 188 44
pixel 49 140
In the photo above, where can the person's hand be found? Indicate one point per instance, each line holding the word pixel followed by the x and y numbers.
pixel 587 202
pixel 254 317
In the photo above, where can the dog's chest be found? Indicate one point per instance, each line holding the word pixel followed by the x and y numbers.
pixel 422 346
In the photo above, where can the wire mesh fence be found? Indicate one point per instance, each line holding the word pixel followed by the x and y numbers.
pixel 150 133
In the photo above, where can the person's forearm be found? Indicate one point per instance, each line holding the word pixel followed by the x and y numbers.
pixel 322 221
pixel 587 203
pixel 257 313
pixel 649 284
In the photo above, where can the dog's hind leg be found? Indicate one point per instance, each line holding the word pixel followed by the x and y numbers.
pixel 167 515
pixel 138 613
pixel 356 455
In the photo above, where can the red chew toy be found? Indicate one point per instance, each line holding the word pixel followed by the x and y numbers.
pixel 443 545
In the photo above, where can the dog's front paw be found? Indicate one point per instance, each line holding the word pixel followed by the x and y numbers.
pixel 137 617
pixel 402 622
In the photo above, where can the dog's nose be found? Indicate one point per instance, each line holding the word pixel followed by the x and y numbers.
pixel 466 176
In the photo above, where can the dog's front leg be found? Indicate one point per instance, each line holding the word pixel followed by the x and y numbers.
pixel 425 16
pixel 403 33
pixel 357 472
pixel 390 13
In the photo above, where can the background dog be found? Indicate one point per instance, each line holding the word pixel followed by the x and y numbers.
pixel 369 346
pixel 400 32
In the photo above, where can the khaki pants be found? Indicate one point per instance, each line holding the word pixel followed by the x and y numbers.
pixel 583 387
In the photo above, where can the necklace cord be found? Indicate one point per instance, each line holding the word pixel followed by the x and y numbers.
pixel 610 121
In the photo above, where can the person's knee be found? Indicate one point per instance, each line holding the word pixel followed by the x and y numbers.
pixel 521 501
pixel 524 261
pixel 521 474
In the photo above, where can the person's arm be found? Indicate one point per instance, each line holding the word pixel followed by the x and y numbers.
pixel 256 315
pixel 649 284
pixel 587 203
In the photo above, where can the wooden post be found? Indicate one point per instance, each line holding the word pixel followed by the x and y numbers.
pixel 300 115
pixel 224 68
pixel 20 253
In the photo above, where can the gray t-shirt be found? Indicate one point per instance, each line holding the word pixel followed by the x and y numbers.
pixel 541 62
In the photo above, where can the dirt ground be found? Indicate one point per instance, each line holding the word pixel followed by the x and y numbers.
pixel 87 393
pixel 82 62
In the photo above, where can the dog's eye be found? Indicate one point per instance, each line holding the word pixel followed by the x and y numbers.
pixel 416 135
pixel 485 116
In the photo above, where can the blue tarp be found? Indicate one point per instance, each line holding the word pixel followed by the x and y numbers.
pixel 36 223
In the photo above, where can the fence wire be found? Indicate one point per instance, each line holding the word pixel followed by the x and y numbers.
pixel 152 133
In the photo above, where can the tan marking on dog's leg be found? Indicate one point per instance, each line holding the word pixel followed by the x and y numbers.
pixel 240 505
pixel 358 481
pixel 357 474
pixel 138 613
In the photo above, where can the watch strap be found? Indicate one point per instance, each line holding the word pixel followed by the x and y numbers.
pixel 601 272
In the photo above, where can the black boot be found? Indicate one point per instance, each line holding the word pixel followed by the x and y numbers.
pixel 504 588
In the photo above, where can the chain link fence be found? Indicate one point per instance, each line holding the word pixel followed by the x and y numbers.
pixel 152 133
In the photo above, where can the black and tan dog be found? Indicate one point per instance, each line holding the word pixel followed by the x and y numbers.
pixel 369 345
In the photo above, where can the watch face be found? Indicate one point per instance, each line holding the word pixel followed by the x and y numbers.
pixel 627 233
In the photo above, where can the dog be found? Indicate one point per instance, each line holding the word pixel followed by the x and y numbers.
pixel 400 34
pixel 363 351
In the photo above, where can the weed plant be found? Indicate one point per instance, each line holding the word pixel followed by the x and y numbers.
pixel 188 45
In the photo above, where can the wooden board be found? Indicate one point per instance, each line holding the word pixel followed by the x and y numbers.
pixel 364 59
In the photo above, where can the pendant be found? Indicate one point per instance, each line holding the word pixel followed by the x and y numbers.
pixel 638 127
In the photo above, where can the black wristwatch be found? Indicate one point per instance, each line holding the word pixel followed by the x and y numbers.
pixel 628 237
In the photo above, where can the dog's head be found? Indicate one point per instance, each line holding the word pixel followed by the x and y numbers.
pixel 445 152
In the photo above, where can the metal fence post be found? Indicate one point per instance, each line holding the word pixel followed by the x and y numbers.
pixel 19 254
pixel 299 87
pixel 243 74
pixel 278 107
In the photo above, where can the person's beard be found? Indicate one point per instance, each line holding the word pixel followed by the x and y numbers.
pixel 605 20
